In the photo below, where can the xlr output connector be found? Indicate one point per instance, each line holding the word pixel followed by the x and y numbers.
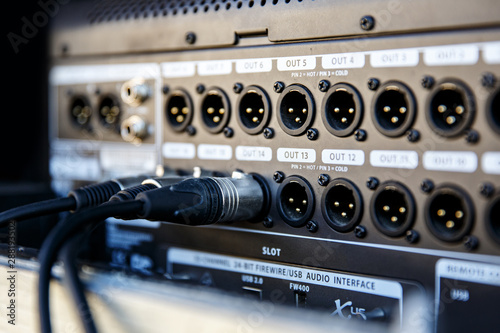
pixel 208 200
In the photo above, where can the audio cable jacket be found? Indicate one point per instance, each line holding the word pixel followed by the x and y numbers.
pixel 68 255
pixel 77 200
pixel 72 247
pixel 193 201
pixel 63 232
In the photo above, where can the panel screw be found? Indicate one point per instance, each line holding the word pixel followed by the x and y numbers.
pixel 190 38
pixel 360 231
pixel 486 189
pixel 312 226
pixel 237 88
pixel 411 236
pixel 372 183
pixel 470 243
pixel 426 185
pixel 190 130
pixel 472 136
pixel 367 22
pixel 373 83
pixel 488 80
pixel 165 89
pixel 360 135
pixel 323 179
pixel 268 133
pixel 323 85
pixel 64 49
pixel 413 135
pixel 278 176
pixel 427 82
pixel 69 92
pixel 228 132
pixel 278 86
pixel 268 222
pixel 97 91
pixel 312 134
pixel 200 88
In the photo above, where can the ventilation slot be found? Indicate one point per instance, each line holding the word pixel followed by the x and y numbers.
pixel 116 10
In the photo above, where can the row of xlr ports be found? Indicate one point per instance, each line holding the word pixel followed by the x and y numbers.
pixel 110 112
pixel 449 212
pixel 450 109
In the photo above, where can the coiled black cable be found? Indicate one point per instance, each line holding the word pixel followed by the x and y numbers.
pixel 61 233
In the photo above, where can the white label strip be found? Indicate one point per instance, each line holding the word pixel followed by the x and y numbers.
pixel 178 69
pixel 490 162
pixel 296 63
pixel 468 271
pixel 403 159
pixel 328 279
pixel 296 155
pixel 215 152
pixel 455 161
pixel 491 53
pixel 248 153
pixel 343 60
pixel 215 67
pixel 394 58
pixel 178 150
pixel 102 73
pixel 127 161
pixel 451 55
pixel 71 165
pixel 343 156
pixel 254 65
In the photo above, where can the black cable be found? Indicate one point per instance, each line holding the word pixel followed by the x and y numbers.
pixel 194 201
pixel 68 255
pixel 78 199
pixel 60 234
pixel 37 209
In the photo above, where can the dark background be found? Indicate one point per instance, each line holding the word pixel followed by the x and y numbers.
pixel 24 175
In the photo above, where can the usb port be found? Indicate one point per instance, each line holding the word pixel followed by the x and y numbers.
pixel 252 292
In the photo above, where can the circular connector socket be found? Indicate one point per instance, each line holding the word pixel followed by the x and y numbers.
pixel 342 110
pixel 134 129
pixel 296 109
pixel 135 91
pixel 392 209
pixel 493 113
pixel 254 110
pixel 394 109
pixel 80 111
pixel 450 108
pixel 110 112
pixel 449 213
pixel 179 110
pixel 493 219
pixel 295 201
pixel 215 110
pixel 342 205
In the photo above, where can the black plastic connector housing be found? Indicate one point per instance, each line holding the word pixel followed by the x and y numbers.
pixel 342 109
pixel 295 201
pixel 392 209
pixel 450 108
pixel 202 201
pixel 342 205
pixel 449 213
